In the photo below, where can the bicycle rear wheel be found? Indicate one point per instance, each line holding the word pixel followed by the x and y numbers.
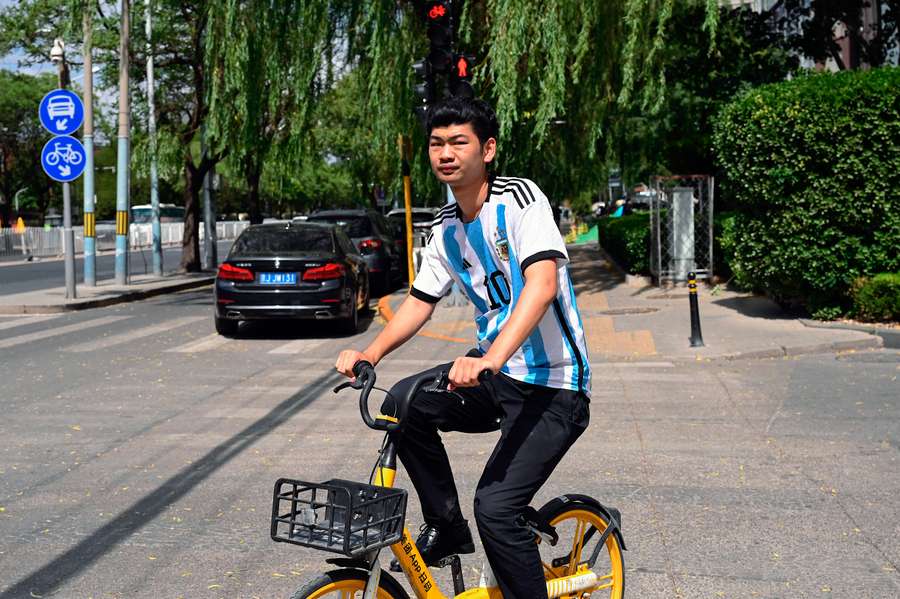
pixel 349 583
pixel 580 527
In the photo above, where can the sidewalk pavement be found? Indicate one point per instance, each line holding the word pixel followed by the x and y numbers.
pixel 625 320
pixel 106 293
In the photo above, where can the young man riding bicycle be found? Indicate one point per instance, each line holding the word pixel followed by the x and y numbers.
pixel 499 243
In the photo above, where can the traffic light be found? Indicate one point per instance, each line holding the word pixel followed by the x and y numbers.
pixel 424 87
pixel 459 82
pixel 439 22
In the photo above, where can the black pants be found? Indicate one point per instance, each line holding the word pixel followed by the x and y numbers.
pixel 537 425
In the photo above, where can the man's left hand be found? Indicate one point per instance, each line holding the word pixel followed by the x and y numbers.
pixel 465 371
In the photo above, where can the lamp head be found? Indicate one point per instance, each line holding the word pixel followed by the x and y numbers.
pixel 58 52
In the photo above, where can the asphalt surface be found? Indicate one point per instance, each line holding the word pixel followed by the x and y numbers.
pixel 138 451
pixel 41 274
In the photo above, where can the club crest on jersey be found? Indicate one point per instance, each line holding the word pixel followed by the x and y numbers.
pixel 501 243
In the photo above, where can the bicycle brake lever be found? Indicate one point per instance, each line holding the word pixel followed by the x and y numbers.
pixel 342 386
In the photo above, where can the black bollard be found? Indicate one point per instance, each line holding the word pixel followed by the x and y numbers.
pixel 696 335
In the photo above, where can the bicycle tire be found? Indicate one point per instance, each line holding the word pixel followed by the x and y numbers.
pixel 569 518
pixel 338 582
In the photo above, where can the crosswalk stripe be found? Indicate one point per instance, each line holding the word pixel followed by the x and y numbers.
pixel 200 345
pixel 299 346
pixel 54 332
pixel 125 337
pixel 20 322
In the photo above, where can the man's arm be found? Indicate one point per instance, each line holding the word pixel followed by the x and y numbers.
pixel 537 294
pixel 413 313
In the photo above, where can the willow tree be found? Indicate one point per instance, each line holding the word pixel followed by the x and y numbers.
pixel 561 73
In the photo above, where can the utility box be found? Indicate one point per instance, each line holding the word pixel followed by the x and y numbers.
pixel 681 228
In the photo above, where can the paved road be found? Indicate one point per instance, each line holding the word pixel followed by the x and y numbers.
pixel 138 452
pixel 31 276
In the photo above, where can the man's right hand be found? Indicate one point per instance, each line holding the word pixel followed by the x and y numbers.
pixel 348 359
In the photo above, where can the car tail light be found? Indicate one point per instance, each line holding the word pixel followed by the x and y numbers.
pixel 234 273
pixel 369 245
pixel 323 273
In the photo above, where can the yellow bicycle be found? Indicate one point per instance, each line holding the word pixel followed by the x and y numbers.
pixel 580 540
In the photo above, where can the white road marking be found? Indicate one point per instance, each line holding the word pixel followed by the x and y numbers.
pixel 299 346
pixel 200 345
pixel 22 321
pixel 54 332
pixel 133 335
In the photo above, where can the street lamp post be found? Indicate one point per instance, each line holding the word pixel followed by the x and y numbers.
pixel 124 150
pixel 90 221
pixel 151 127
pixel 58 57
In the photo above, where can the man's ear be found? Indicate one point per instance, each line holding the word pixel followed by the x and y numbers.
pixel 489 150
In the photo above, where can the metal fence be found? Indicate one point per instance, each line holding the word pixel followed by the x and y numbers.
pixel 38 242
pixel 681 227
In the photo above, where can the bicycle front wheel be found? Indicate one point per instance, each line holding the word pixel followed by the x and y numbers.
pixel 349 583
pixel 580 527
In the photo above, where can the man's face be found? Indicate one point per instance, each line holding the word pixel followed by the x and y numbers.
pixel 457 156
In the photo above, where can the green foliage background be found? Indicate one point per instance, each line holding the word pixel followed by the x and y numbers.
pixel 814 165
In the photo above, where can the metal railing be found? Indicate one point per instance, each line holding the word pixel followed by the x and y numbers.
pixel 39 242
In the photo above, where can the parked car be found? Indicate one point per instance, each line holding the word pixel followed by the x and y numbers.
pixel 371 233
pixel 421 217
pixel 291 270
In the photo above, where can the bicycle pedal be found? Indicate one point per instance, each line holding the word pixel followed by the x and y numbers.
pixel 450 560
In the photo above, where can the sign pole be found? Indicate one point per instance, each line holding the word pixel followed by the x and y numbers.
pixel 69 237
pixel 90 228
pixel 122 174
pixel 406 154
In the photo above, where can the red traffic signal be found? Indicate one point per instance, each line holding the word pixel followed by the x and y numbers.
pixel 437 11
pixel 462 67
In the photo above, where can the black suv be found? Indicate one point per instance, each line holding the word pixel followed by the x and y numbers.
pixel 372 234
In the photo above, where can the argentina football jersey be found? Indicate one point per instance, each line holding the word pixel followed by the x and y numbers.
pixel 487 257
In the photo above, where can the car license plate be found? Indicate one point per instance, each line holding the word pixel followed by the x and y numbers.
pixel 278 278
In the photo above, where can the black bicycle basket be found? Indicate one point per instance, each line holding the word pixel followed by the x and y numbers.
pixel 340 516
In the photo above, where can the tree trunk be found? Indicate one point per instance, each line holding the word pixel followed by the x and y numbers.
pixel 254 174
pixel 190 242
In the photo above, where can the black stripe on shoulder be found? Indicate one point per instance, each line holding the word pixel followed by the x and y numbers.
pixel 521 199
pixel 421 295
pixel 522 186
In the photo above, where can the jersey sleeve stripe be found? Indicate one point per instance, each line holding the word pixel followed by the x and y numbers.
pixel 521 200
pixel 545 255
pixel 421 295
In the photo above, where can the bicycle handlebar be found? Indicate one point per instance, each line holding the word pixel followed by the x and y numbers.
pixel 365 381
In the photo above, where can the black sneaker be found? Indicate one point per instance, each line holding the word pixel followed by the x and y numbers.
pixel 435 545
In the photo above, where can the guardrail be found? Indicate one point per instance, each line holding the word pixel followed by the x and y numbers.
pixel 39 242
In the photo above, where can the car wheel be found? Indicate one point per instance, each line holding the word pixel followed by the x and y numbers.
pixel 350 325
pixel 226 327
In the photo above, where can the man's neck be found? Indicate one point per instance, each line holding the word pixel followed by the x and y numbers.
pixel 471 198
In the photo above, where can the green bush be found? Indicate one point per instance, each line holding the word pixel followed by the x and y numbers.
pixel 627 239
pixel 814 165
pixel 877 298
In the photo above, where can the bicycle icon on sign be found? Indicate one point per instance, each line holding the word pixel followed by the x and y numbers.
pixel 66 154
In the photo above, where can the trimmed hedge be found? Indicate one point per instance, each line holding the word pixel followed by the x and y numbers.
pixel 627 239
pixel 877 298
pixel 814 165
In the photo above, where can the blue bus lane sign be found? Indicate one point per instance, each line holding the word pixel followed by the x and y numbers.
pixel 61 112
pixel 63 158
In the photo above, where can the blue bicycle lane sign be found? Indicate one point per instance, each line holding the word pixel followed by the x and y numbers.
pixel 63 158
pixel 61 112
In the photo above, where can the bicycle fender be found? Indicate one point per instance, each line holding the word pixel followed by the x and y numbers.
pixel 349 562
pixel 613 516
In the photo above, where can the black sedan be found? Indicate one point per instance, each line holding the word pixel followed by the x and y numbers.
pixel 291 270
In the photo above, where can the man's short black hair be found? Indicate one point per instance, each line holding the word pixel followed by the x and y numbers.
pixel 459 111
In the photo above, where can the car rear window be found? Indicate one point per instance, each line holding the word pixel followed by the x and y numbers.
pixel 283 242
pixel 356 226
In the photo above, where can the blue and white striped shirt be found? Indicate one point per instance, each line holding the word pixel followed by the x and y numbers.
pixel 487 257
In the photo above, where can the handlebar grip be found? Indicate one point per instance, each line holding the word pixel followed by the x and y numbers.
pixel 361 366
pixel 485 375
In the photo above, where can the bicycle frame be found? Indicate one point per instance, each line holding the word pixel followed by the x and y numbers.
pixel 420 578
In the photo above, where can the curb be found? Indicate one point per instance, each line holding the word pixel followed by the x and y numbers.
pixel 890 337
pixel 614 267
pixel 128 296
pixel 783 351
